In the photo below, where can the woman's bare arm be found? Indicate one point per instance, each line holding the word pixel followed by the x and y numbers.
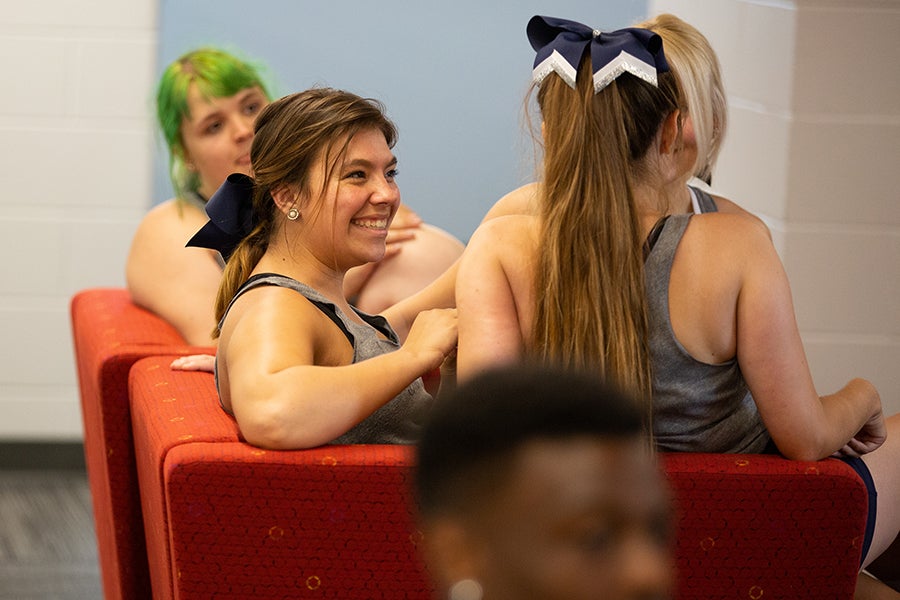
pixel 284 372
pixel 421 262
pixel 772 359
pixel 491 295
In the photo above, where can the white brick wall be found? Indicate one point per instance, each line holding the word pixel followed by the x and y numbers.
pixel 812 149
pixel 75 166
pixel 814 101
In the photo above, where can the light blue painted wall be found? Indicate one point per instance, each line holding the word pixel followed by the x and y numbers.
pixel 452 75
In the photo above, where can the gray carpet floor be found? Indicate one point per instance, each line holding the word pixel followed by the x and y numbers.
pixel 47 545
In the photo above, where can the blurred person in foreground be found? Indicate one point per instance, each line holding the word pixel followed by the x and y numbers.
pixel 537 483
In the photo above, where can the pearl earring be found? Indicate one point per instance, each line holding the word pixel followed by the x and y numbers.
pixel 293 214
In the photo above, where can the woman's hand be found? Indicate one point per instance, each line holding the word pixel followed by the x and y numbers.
pixel 195 362
pixel 871 436
pixel 433 335
pixel 404 224
pixel 403 229
pixel 448 373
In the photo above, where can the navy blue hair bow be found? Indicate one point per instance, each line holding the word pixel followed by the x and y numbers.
pixel 560 44
pixel 231 217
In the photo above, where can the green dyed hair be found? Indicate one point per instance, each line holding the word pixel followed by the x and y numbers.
pixel 217 74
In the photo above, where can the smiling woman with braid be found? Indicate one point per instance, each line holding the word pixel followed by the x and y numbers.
pixel 297 365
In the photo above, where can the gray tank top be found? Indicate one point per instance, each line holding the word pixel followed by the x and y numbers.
pixel 397 422
pixel 705 202
pixel 697 407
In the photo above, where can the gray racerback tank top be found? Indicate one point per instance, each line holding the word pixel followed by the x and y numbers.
pixel 697 407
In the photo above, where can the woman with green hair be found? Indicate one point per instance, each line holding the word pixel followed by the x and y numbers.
pixel 206 104
pixel 204 76
pixel 207 101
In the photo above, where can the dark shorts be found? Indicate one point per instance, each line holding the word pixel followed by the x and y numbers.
pixel 862 470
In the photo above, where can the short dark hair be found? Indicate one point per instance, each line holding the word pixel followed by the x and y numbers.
pixel 473 433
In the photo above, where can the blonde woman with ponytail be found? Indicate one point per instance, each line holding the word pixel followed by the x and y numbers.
pixel 608 271
pixel 695 66
pixel 578 294
pixel 297 365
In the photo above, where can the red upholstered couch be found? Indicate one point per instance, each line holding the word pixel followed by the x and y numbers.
pixel 226 520
pixel 110 333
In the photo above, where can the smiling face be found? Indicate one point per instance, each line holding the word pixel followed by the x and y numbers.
pixel 347 227
pixel 218 133
pixel 572 519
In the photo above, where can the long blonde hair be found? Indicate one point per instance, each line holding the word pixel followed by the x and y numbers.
pixel 696 68
pixel 590 302
pixel 290 134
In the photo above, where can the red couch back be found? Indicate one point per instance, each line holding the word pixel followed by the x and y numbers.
pixel 110 333
pixel 764 527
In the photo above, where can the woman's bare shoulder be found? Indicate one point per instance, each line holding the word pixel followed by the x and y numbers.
pixel 436 237
pixel 729 207
pixel 520 201
pixel 172 217
pixel 729 233
pixel 510 240
pixel 505 229
pixel 158 259
pixel 421 260
pixel 280 318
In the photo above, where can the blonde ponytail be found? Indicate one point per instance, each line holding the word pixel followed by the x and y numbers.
pixel 590 308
